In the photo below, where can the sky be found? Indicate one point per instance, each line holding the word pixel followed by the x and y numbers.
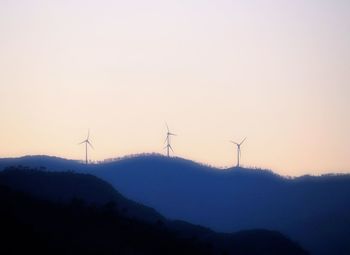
pixel 274 71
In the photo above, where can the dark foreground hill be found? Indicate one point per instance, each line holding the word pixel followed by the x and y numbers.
pixel 314 211
pixel 63 187
pixel 31 226
pixel 101 225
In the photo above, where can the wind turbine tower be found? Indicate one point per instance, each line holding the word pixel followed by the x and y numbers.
pixel 168 141
pixel 87 142
pixel 238 150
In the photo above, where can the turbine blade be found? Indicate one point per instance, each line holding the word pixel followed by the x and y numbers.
pixel 82 142
pixel 234 142
pixel 172 134
pixel 171 148
pixel 167 127
pixel 90 144
pixel 88 136
pixel 243 140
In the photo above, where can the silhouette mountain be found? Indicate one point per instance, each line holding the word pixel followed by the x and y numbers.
pixel 313 210
pixel 32 226
pixel 63 187
pixel 78 213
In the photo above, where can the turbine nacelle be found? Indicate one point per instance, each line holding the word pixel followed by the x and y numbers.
pixel 239 144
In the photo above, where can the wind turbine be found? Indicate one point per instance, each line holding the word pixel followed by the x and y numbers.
pixel 238 149
pixel 87 142
pixel 168 140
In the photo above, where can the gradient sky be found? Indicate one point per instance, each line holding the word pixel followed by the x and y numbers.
pixel 276 71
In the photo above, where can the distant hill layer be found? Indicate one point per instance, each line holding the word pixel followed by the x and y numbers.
pixel 81 213
pixel 309 209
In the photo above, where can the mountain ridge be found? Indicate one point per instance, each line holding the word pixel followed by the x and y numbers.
pixel 36 160
pixel 90 195
pixel 310 209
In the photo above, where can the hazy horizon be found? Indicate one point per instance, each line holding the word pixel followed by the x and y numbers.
pixel 276 72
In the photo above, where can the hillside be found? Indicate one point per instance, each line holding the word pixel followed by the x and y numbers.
pixel 308 209
pixel 92 212
pixel 40 227
pixel 63 187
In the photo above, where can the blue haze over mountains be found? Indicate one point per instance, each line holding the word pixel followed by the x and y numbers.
pixel 312 210
pixel 74 213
